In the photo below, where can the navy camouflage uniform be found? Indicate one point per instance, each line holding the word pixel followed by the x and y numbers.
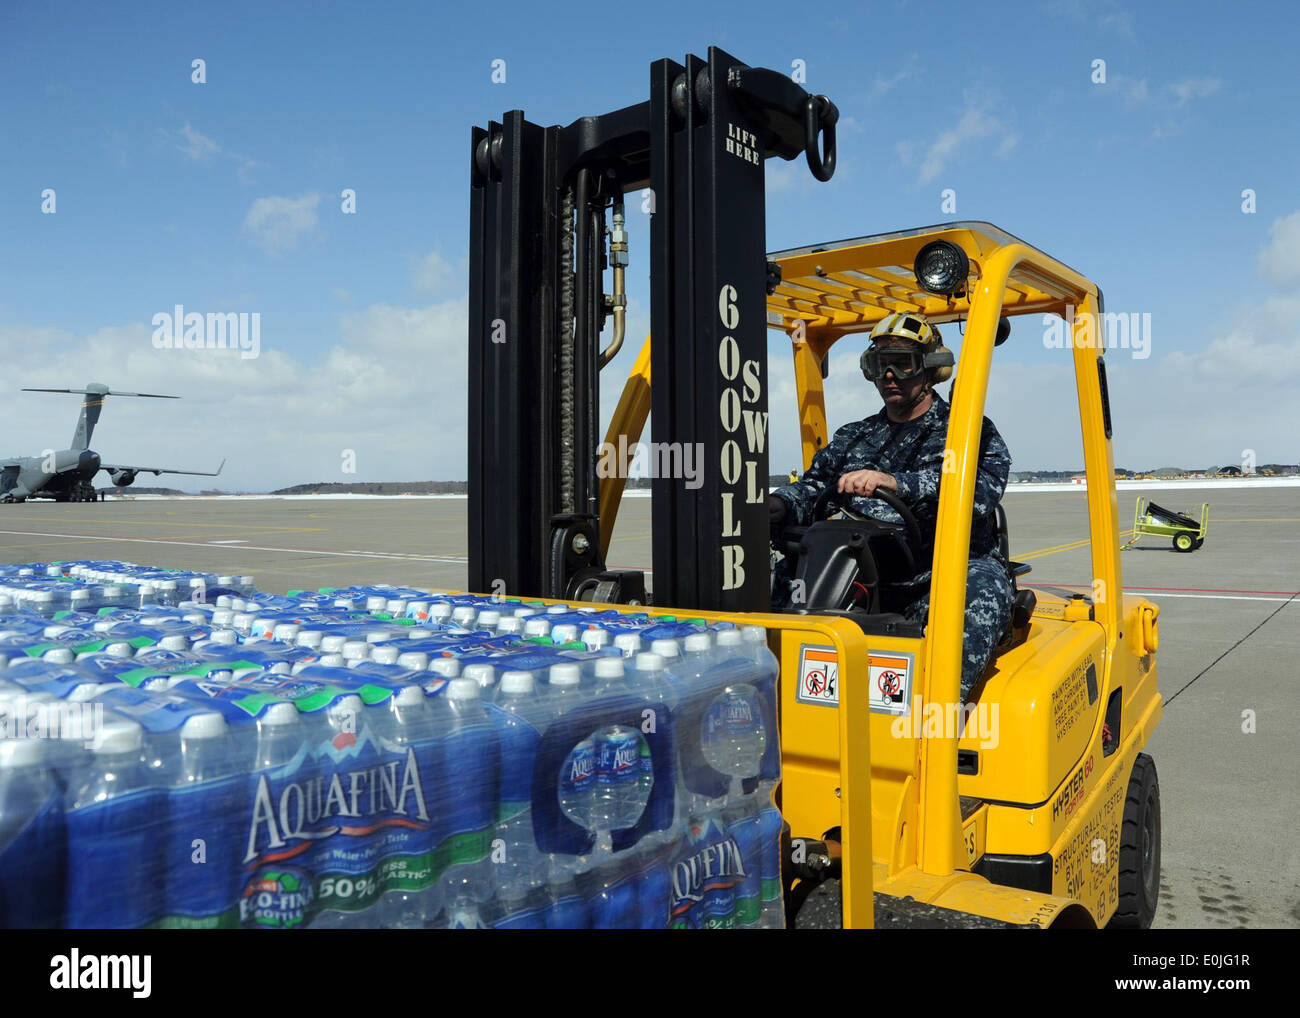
pixel 912 452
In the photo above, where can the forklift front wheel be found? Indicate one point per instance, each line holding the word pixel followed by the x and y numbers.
pixel 1199 541
pixel 1139 851
pixel 1184 542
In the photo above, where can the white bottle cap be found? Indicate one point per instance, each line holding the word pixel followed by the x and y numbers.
pixel 517 682
pixel 309 638
pixel 285 632
pixel 488 619
pixel 564 634
pixel 523 613
pixel 118 737
pixel 222 617
pixel 666 647
pixel 59 655
pixel 174 642
pixel 628 643
pixel 462 689
pixel 243 621
pixel 463 614
pixel 728 638
pixel 396 606
pixel 415 660
pixel 225 581
pixel 558 609
pixel 156 684
pixel 417 609
pixel 120 649
pixel 609 668
pixel 648 661
pixel 510 626
pixel 439 611
pixel 447 667
pixel 409 696
pixel 376 603
pixel 280 714
pixel 698 643
pixel 21 752
pixel 224 637
pixel 208 725
pixel 356 650
pixel 484 675
pixel 564 675
pixel 347 706
pixel 385 653
pixel 753 634
pixel 536 627
pixel 246 581
pixel 83 693
pixel 333 643
pixel 595 638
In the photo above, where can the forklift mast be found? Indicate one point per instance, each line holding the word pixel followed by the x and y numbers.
pixel 694 153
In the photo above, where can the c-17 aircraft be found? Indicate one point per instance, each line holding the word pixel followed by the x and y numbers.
pixel 66 475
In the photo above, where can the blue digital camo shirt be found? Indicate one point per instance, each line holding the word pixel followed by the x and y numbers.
pixel 913 453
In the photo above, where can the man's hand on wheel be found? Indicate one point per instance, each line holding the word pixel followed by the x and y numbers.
pixel 865 482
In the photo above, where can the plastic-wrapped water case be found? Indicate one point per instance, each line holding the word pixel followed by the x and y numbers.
pixel 369 757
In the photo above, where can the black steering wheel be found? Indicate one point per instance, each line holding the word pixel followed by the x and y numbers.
pixel 830 500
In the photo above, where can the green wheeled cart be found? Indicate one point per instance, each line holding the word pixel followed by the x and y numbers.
pixel 1155 521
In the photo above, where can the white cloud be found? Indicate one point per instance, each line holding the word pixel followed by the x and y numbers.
pixel 1280 260
pixel 197 147
pixel 976 123
pixel 276 223
pixel 1193 88
pixel 433 275
pixel 281 418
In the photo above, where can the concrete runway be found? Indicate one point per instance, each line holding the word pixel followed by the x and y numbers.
pixel 1229 613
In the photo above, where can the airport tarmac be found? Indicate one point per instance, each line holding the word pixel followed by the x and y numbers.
pixel 1228 662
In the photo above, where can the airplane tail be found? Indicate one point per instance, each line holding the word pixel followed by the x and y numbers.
pixel 91 407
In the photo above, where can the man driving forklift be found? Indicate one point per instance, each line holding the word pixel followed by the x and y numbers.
pixel 901 450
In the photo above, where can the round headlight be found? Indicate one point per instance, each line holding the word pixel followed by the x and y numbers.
pixel 942 267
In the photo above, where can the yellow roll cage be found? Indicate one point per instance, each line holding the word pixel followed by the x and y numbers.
pixel 838 289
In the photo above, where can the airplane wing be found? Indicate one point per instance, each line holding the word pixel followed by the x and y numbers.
pixel 160 470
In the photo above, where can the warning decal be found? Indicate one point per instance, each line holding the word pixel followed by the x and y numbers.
pixel 819 676
pixel 891 682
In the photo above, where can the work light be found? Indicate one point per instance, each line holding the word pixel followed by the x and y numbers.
pixel 942 267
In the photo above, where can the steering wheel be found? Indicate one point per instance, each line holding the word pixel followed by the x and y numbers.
pixel 831 499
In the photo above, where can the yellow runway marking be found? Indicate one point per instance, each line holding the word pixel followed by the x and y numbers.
pixel 1082 542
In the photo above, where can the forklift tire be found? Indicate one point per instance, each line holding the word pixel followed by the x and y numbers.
pixel 821 909
pixel 1199 541
pixel 1139 851
pixel 1184 542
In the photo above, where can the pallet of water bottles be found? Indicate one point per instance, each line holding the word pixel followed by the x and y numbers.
pixel 180 750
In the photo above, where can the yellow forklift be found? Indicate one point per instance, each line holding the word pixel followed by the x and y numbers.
pixel 1033 806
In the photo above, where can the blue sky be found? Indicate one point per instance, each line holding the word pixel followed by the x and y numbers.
pixel 225 196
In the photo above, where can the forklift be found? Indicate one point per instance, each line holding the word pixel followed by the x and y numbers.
pixel 1047 817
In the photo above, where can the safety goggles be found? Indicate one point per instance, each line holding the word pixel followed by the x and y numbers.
pixel 904 363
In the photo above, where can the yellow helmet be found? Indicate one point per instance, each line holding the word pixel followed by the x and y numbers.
pixel 933 358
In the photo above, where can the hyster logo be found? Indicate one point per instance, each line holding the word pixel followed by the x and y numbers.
pixel 102 972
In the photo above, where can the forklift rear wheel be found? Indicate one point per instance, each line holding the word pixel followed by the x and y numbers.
pixel 1139 850
pixel 1184 542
